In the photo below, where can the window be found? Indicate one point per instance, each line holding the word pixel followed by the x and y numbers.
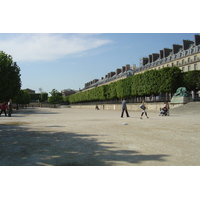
pixel 195 67
pixel 189 68
pixel 177 63
pixel 183 62
pixel 172 64
pixel 189 60
pixel 183 69
pixel 195 58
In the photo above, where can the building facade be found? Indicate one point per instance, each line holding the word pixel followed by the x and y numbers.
pixel 185 56
pixel 122 73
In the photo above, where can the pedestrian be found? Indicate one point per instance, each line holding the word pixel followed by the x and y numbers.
pixel 97 107
pixel 9 107
pixel 143 107
pixel 3 108
pixel 167 106
pixel 124 108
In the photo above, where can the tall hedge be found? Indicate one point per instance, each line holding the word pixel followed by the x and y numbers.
pixel 165 80
pixel 171 79
pixel 191 80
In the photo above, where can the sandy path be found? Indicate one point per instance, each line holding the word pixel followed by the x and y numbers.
pixel 63 137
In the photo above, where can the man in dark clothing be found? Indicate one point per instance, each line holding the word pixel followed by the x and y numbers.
pixel 124 108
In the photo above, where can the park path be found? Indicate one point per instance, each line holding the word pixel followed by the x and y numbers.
pixel 83 137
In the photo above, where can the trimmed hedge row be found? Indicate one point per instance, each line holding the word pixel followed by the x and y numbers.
pixel 155 82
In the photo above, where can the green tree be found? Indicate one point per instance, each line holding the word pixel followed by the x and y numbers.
pixel 171 79
pixel 191 80
pixel 123 88
pixel 43 97
pixel 10 82
pixel 35 97
pixel 152 82
pixel 55 98
pixel 111 92
pixel 23 98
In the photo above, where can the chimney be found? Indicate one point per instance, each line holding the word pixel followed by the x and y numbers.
pixel 123 69
pixel 150 58
pixel 176 48
pixel 197 40
pixel 186 44
pixel 155 56
pixel 118 71
pixel 161 54
pixel 166 52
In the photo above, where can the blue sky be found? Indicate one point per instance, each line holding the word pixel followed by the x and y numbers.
pixel 62 61
pixel 66 44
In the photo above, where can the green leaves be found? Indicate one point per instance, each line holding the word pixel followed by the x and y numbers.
pixel 56 97
pixel 10 82
pixel 191 80
pixel 154 82
pixel 171 79
pixel 23 97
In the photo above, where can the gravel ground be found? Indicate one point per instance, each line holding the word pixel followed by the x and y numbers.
pixel 83 137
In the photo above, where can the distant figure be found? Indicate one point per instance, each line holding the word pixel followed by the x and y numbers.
pixel 3 108
pixel 9 107
pixel 143 107
pixel 165 108
pixel 97 107
pixel 124 108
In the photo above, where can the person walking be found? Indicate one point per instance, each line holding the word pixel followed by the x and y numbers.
pixel 124 108
pixel 96 107
pixel 167 106
pixel 143 107
pixel 3 108
pixel 9 107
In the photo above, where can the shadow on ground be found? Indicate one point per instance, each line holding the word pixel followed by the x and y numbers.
pixel 22 147
pixel 28 111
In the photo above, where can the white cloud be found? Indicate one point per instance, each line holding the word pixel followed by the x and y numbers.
pixel 38 47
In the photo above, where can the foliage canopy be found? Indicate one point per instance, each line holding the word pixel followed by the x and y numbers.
pixel 56 97
pixel 151 82
pixel 10 82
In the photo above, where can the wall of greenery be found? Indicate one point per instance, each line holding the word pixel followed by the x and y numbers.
pixel 151 82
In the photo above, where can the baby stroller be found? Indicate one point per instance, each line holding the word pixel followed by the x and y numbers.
pixel 163 111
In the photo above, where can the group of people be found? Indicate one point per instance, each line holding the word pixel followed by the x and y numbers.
pixel 6 107
pixel 143 108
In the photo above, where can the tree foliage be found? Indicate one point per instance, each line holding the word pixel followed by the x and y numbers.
pixel 10 82
pixel 43 96
pixel 171 79
pixel 191 80
pixel 23 97
pixel 152 82
pixel 55 98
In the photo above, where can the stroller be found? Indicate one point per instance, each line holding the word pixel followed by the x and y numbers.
pixel 163 111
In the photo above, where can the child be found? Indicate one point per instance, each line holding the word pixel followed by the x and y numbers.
pixel 143 107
